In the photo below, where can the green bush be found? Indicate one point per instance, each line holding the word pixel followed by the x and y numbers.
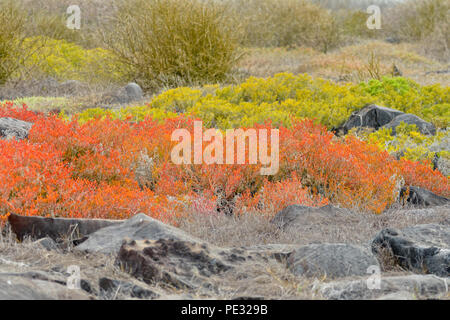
pixel 61 60
pixel 173 42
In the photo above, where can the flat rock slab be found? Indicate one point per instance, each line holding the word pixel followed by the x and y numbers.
pixel 23 287
pixel 299 216
pixel 421 248
pixel 331 260
pixel 178 264
pixel 55 228
pixel 393 287
pixel 13 128
pixel 140 227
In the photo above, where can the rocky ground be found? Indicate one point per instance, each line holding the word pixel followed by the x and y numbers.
pixel 303 253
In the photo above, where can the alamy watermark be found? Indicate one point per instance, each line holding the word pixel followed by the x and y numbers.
pixel 374 280
pixel 374 20
pixel 74 280
pixel 74 19
pixel 213 153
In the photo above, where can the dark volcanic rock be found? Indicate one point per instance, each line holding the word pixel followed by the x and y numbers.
pixel 332 260
pixel 55 228
pixel 371 116
pixel 421 197
pixel 139 227
pixel 423 126
pixel 298 215
pixel 421 248
pixel 177 263
pixel 47 243
pixel 13 128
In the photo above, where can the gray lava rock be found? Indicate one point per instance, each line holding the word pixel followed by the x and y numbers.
pixel 421 197
pixel 178 264
pixel 13 128
pixel 298 215
pixel 332 260
pixel 133 91
pixel 47 243
pixel 423 126
pixel 27 287
pixel 420 248
pixel 139 227
pixel 371 116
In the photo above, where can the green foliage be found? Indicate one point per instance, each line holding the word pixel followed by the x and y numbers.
pixel 129 113
pixel 397 84
pixel 284 97
pixel 64 60
pixel 173 42
pixel 409 143
pixel 428 102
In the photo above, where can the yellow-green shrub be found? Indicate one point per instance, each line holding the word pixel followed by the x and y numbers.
pixel 285 96
pixel 409 143
pixel 173 42
pixel 130 113
pixel 64 60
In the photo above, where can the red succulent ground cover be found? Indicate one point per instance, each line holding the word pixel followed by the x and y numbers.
pixel 68 169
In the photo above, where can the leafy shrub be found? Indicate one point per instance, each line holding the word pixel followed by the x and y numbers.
pixel 172 42
pixel 64 60
pixel 410 144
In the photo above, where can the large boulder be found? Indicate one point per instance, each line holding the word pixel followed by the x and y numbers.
pixel 390 287
pixel 134 91
pixel 422 126
pixel 334 223
pixel 420 248
pixel 422 197
pixel 13 128
pixel 131 92
pixel 298 215
pixel 331 260
pixel 178 264
pixel 371 116
pixel 55 228
pixel 139 227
